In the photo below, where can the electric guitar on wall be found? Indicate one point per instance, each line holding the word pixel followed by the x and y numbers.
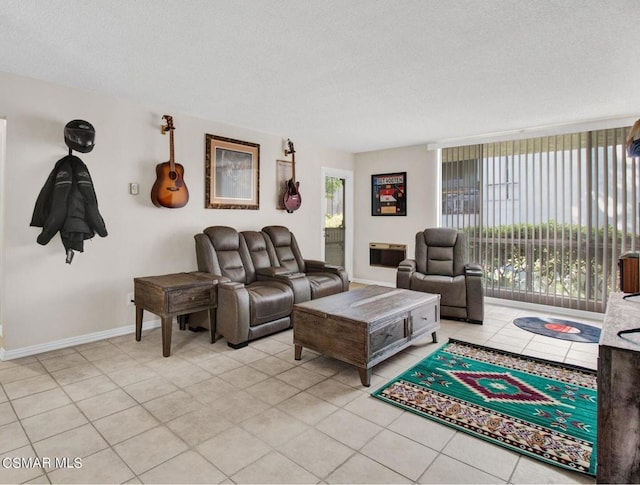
pixel 292 197
pixel 169 189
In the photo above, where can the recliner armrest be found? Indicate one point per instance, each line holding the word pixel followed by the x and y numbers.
pixel 406 268
pixel 233 314
pixel 291 276
pixel 213 277
pixel 333 268
pixel 230 285
pixel 273 271
pixel 473 269
pixel 475 292
pixel 407 265
pixel 298 282
pixel 315 265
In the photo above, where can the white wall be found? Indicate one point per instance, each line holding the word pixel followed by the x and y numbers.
pixel 422 205
pixel 45 300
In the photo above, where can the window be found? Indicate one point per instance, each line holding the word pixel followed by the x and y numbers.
pixel 547 217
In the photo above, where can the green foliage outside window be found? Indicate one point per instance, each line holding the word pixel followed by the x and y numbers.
pixel 555 259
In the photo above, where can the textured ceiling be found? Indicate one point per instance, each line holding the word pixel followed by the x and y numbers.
pixel 355 75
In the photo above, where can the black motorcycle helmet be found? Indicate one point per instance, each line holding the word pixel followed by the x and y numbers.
pixel 79 135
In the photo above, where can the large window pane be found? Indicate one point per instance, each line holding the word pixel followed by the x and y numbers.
pixel 547 217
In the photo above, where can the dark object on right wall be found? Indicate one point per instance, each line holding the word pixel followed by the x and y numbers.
pixel 441 266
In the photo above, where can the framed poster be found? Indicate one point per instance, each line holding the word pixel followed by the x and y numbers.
pixel 284 171
pixel 232 174
pixel 389 194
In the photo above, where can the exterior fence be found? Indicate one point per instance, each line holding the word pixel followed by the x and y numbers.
pixel 334 245
pixel 564 267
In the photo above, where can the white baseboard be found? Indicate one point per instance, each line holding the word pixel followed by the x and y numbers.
pixel 552 310
pixel 69 342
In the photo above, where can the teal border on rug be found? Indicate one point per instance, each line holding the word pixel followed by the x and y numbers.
pixel 377 394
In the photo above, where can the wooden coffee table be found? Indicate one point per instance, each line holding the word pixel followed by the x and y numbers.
pixel 365 326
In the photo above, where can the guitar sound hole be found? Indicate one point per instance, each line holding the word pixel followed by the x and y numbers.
pixel 173 175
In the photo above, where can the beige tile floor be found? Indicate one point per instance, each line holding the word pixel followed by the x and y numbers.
pixel 210 414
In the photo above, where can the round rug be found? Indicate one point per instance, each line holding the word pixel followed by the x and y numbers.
pixel 562 329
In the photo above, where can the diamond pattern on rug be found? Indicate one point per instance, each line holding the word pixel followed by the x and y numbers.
pixel 502 386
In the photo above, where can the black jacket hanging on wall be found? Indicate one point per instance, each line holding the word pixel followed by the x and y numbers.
pixel 68 203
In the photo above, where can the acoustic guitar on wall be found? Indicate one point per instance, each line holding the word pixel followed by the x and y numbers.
pixel 292 198
pixel 169 189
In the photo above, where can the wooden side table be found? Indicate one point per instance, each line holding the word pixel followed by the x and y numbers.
pixel 172 295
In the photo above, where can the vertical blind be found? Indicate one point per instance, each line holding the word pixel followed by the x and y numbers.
pixel 547 217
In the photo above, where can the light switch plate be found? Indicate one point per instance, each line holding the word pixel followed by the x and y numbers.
pixel 134 188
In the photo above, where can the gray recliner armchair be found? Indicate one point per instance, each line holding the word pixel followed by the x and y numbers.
pixel 324 279
pixel 248 307
pixel 441 266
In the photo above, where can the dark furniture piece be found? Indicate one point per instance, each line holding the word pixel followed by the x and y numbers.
pixel 441 266
pixel 365 326
pixel 324 279
pixel 619 393
pixel 250 306
pixel 172 295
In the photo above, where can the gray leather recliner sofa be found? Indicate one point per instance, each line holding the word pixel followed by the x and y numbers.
pixel 441 266
pixel 249 307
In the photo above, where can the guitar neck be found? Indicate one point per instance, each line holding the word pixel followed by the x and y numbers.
pixel 171 152
pixel 292 151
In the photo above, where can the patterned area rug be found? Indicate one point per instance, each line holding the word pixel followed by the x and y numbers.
pixel 557 328
pixel 539 408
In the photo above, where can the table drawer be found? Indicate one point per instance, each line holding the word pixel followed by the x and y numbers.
pixel 425 318
pixel 387 335
pixel 188 298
